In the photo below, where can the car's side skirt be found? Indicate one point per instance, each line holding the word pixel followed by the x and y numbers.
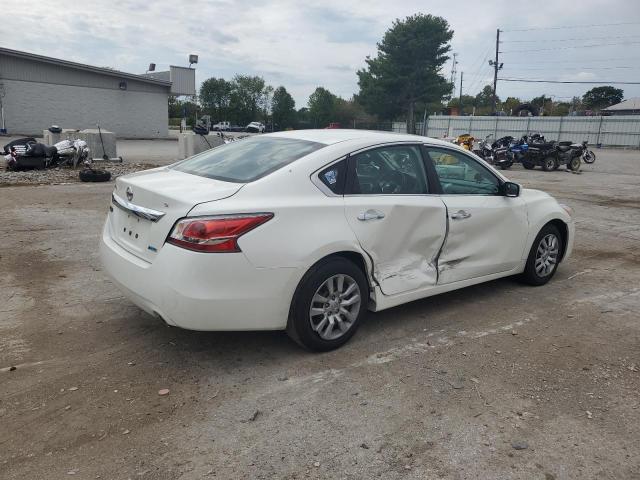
pixel 383 302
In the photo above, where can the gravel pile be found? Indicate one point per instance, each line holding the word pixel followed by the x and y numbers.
pixel 55 176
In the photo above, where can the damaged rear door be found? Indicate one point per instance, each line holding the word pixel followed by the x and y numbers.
pixel 397 222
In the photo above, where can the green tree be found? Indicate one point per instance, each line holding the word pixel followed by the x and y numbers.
pixel 215 95
pixel 510 104
pixel 468 102
pixel 283 109
pixel 321 107
pixel 407 68
pixel 544 104
pixel 247 99
pixel 303 118
pixel 602 97
pixel 485 97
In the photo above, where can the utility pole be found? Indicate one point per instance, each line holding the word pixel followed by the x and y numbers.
pixel 460 101
pixel 454 71
pixel 496 66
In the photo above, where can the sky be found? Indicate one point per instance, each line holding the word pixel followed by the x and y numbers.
pixel 303 45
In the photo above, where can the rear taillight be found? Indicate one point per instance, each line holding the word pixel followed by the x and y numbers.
pixel 215 234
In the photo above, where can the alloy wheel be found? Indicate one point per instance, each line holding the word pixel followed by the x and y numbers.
pixel 547 255
pixel 335 306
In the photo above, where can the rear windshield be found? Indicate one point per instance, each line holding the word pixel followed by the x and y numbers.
pixel 248 159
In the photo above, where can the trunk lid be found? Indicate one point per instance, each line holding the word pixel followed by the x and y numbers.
pixel 148 203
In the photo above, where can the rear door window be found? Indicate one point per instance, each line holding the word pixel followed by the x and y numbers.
pixel 248 159
pixel 392 170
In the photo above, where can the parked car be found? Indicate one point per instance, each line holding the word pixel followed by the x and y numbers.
pixel 333 125
pixel 307 230
pixel 221 127
pixel 255 127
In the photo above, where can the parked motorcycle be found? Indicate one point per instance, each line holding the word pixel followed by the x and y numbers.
pixel 485 149
pixel 495 152
pixel 587 155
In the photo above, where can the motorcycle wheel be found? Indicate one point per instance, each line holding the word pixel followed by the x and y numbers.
pixel 528 165
pixel 505 166
pixel 549 163
pixel 588 156
pixel 574 164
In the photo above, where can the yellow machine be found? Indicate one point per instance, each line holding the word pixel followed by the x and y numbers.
pixel 465 141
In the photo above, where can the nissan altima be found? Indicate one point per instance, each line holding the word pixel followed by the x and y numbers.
pixel 306 231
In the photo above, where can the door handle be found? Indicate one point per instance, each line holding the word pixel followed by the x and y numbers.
pixel 370 215
pixel 460 215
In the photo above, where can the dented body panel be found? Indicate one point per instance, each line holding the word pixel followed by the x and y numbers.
pixel 404 244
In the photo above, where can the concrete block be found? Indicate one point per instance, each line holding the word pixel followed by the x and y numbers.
pixel 92 137
pixel 50 138
pixel 190 144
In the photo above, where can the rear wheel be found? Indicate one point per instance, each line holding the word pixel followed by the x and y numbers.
pixel 329 305
pixel 544 256
pixel 549 163
pixel 528 165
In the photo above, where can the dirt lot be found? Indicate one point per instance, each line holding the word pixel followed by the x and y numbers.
pixel 495 381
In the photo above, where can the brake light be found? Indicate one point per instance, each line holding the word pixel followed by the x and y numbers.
pixel 215 234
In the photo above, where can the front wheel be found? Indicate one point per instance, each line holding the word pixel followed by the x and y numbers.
pixel 574 164
pixel 329 304
pixel 588 156
pixel 544 256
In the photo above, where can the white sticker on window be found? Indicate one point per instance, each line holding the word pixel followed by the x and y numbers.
pixel 331 176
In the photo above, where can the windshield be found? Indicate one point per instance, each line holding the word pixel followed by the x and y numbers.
pixel 247 160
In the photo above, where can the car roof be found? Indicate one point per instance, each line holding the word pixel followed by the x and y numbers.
pixel 330 136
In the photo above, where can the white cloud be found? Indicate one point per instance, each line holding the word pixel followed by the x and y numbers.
pixel 302 45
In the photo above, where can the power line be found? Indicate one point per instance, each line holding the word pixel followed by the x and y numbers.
pixel 476 78
pixel 570 26
pixel 605 67
pixel 568 62
pixel 571 46
pixel 570 39
pixel 525 80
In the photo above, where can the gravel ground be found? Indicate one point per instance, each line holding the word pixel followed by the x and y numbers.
pixel 496 381
pixel 61 176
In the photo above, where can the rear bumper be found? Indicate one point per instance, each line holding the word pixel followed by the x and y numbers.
pixel 202 291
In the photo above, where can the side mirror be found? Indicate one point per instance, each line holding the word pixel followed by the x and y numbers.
pixel 510 189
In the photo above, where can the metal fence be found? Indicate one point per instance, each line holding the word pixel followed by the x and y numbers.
pixel 620 131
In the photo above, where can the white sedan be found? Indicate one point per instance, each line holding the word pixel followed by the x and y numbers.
pixel 307 230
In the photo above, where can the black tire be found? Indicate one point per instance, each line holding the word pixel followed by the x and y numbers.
pixel 589 156
pixel 530 275
pixel 528 165
pixel 506 166
pixel 574 164
pixel 94 176
pixel 299 326
pixel 549 163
